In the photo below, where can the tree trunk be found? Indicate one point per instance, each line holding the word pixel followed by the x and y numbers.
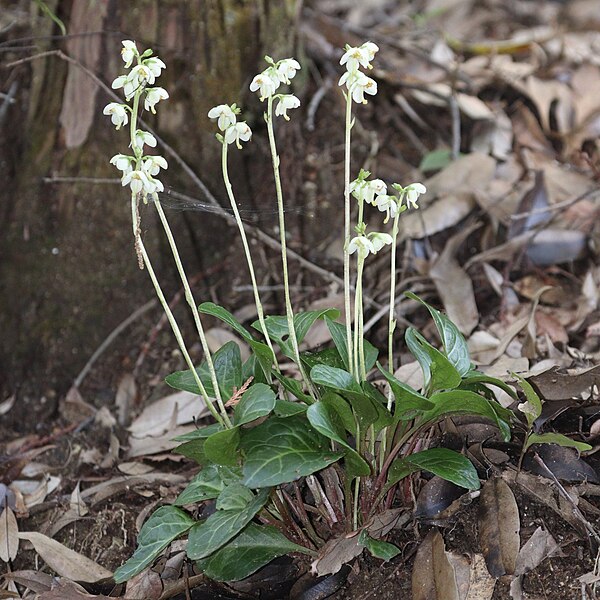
pixel 69 271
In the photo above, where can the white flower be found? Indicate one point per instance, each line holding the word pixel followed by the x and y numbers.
pixel 375 187
pixel 387 204
pixel 265 84
pixel 286 69
pixel 355 57
pixel 144 137
pixel 130 83
pixel 122 162
pixel 224 115
pixel 118 114
pixel 379 240
pixel 361 85
pixel 361 244
pixel 153 164
pixel 286 102
pixel 138 181
pixel 413 191
pixel 238 132
pixel 129 52
pixel 153 97
pixel 155 65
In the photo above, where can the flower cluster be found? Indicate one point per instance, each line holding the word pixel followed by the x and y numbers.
pixel 226 118
pixel 267 83
pixel 370 243
pixel 138 171
pixel 354 79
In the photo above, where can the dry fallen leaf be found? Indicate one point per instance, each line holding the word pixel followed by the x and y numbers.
pixel 125 397
pixel 433 575
pixel 9 535
pixel 34 580
pixel 499 525
pixel 336 553
pixel 482 584
pixel 63 560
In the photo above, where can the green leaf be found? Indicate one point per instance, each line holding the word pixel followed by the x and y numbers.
pixel 234 497
pixel 379 549
pixel 281 450
pixel 442 462
pixel 463 402
pixel 439 373
pixel 257 401
pixel 206 537
pixel 166 524
pixel 208 484
pixel 265 358
pixel 477 377
pixel 384 417
pixel 343 383
pixel 435 160
pixel 338 334
pixel 253 548
pixel 294 387
pixel 342 409
pixel 455 346
pixel 228 367
pixel 194 450
pixel 555 438
pixel 330 357
pixel 532 409
pixel 221 447
pixel 277 327
pixel 408 402
pixel 210 308
pixel 197 434
pixel 325 420
pixel 284 408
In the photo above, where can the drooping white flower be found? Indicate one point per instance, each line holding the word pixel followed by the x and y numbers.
pixel 155 65
pixel 265 83
pixel 375 187
pixel 362 56
pixel 118 114
pixel 129 85
pixel 362 245
pixel 144 137
pixel 129 52
pixel 142 75
pixel 153 164
pixel 360 86
pixel 286 102
pixel 153 97
pixel 224 115
pixel 122 162
pixel 286 69
pixel 240 132
pixel 413 191
pixel 387 204
pixel 379 240
pixel 138 181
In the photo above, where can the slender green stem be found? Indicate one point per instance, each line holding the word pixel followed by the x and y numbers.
pixel 391 319
pixel 355 507
pixel 170 317
pixel 194 308
pixel 359 352
pixel 347 303
pixel 286 285
pixel 238 220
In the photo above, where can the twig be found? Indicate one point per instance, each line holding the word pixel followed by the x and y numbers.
pixel 314 103
pixel 455 113
pixel 111 338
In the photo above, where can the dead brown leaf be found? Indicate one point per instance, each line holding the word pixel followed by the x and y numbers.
pixel 125 397
pixel 433 575
pixel 499 525
pixel 335 553
pixel 9 535
pixel 63 560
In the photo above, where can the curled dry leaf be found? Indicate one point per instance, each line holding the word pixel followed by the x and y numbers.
pixel 146 585
pixel 34 580
pixel 125 398
pixel 63 560
pixel 433 575
pixel 499 526
pixel 9 535
pixel 336 553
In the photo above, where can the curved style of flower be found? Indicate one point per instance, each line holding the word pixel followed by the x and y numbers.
pixel 155 65
pixel 123 162
pixel 153 97
pixel 388 205
pixel 412 193
pixel 129 52
pixel 240 132
pixel 362 245
pixel 118 114
pixel 361 56
pixel 379 240
pixel 144 137
pixel 265 84
pixel 286 69
pixel 153 164
pixel 286 102
pixel 224 114
pixel 139 182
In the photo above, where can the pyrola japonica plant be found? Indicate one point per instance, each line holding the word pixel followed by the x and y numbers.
pixel 293 463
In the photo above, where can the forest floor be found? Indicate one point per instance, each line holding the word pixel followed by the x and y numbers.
pixel 495 106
